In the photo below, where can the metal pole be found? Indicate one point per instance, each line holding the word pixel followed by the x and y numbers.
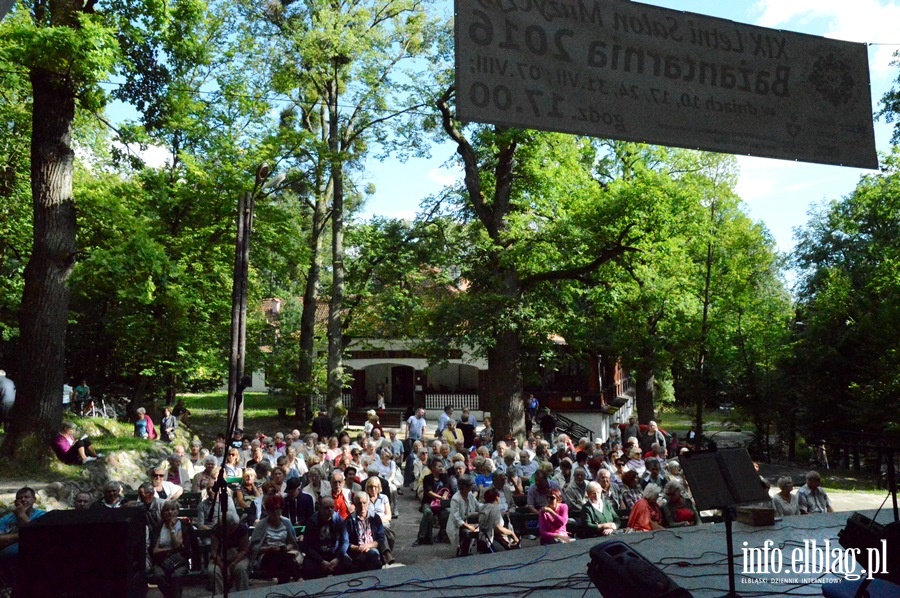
pixel 239 307
pixel 239 293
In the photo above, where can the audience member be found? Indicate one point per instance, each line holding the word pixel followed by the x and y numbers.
pixel 600 518
pixel 112 496
pixel 172 550
pixel 210 507
pixel 493 535
pixel 679 511
pixel 22 514
pixel 459 529
pixel 180 473
pixel 811 498
pixel 236 558
pixel 784 501
pixel 553 518
pixel 539 493
pixel 164 489
pixel 609 492
pixel 7 399
pixel 71 451
pixel 443 419
pixel 631 489
pixel 299 506
pixel 435 490
pixel 322 425
pixel 575 493
pixel 143 425
pixel 325 543
pixel 365 534
pixel 646 515
pixel 232 464
pixel 167 426
pixel 380 504
pixel 653 473
pixel 209 472
pixel 341 495
pixel 247 491
pixel 273 544
pixel 83 500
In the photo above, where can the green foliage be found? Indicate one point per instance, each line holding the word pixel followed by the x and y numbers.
pixel 890 104
pixel 845 363
pixel 83 51
pixel 15 196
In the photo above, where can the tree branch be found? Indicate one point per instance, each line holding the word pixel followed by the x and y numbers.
pixel 581 272
pixel 472 178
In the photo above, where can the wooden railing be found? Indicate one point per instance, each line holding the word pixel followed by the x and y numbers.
pixel 620 388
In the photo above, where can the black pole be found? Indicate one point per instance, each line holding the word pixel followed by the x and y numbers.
pixel 221 486
pixel 892 481
pixel 730 513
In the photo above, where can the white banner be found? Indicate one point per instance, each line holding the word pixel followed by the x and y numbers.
pixel 5 7
pixel 625 70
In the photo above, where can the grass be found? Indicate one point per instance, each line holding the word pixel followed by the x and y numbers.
pixel 680 418
pixel 209 414
pixel 855 482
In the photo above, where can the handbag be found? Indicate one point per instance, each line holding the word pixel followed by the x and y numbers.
pixel 173 562
pixel 436 503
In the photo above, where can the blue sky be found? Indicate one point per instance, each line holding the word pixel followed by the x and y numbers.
pixel 777 192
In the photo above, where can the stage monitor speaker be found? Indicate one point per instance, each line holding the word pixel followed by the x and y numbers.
pixel 75 554
pixel 620 572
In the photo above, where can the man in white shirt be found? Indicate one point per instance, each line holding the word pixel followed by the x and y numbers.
pixel 812 498
pixel 415 429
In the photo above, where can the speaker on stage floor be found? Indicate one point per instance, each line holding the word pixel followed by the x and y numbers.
pixel 618 571
pixel 97 552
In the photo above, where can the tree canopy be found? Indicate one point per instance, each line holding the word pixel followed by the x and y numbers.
pixel 117 268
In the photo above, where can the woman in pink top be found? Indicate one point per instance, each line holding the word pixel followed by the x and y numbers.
pixel 553 518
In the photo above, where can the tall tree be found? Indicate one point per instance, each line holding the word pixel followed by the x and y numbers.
pixel 66 49
pixel 537 218
pixel 346 58
pixel 192 78
pixel 846 353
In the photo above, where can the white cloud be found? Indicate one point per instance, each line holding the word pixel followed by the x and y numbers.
pixel 154 156
pixel 864 21
pixel 442 176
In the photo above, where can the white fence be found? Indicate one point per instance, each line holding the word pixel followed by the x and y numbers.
pixel 320 404
pixel 457 401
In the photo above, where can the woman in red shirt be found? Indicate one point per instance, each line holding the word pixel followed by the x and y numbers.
pixel 646 515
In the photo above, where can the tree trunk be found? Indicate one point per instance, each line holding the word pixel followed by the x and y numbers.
pixel 239 294
pixel 335 321
pixel 645 394
pixel 704 334
pixel 505 386
pixel 45 302
pixel 310 303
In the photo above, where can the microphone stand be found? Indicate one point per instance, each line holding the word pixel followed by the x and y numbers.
pixel 221 486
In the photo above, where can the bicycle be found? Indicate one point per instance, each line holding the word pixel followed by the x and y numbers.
pixel 103 411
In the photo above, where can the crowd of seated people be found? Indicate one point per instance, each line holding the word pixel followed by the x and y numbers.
pixel 553 491
pixel 311 506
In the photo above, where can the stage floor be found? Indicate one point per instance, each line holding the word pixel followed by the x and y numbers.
pixel 694 558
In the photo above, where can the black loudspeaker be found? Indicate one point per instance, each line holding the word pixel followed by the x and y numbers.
pixel 620 572
pixel 76 554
